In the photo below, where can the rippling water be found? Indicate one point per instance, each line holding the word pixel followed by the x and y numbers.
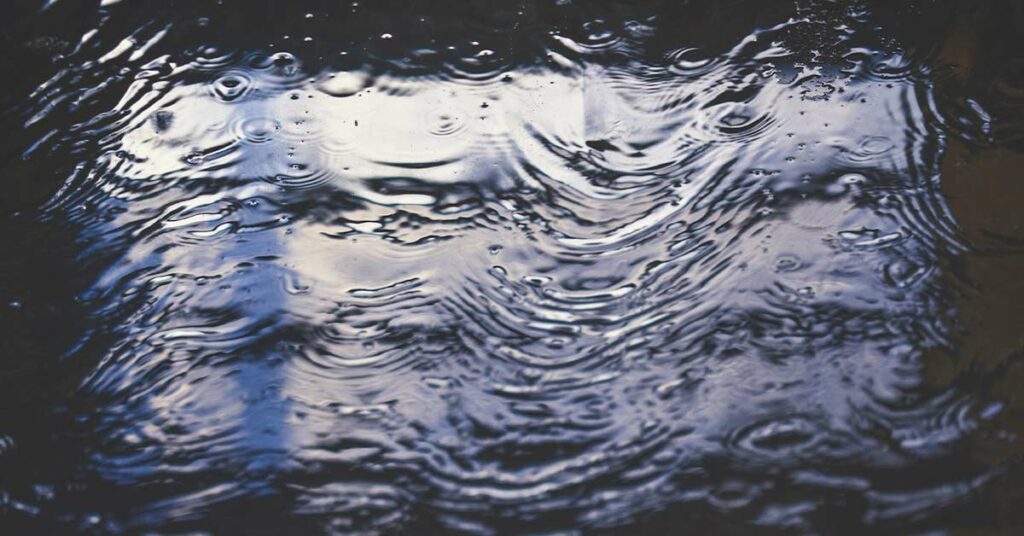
pixel 731 267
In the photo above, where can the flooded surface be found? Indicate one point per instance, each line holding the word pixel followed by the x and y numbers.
pixel 732 267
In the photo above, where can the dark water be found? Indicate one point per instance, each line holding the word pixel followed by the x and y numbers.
pixel 542 267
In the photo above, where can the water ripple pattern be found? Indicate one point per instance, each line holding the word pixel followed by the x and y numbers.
pixel 536 267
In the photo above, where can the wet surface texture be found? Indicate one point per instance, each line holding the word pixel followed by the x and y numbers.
pixel 713 267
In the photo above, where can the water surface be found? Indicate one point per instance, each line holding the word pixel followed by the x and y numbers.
pixel 534 267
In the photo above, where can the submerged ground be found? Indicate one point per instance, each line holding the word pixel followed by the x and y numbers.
pixel 731 267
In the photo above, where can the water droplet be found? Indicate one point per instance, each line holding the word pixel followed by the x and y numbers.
pixel 231 87
pixel 343 83
pixel 736 119
pixel 787 263
pixel 259 129
pixel 162 120
pixel 875 145
pixel 194 158
pixel 852 178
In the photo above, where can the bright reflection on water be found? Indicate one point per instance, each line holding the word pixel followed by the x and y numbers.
pixel 543 267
